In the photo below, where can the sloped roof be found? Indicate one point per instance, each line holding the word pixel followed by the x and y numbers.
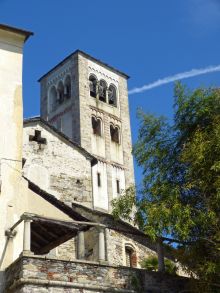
pixel 110 222
pixel 55 202
pixel 16 30
pixel 51 128
pixel 88 57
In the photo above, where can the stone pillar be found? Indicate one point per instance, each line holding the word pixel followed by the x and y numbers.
pixel 81 245
pixel 101 243
pixel 160 254
pixel 27 235
pixel 106 243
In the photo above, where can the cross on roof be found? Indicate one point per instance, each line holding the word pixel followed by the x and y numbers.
pixel 37 137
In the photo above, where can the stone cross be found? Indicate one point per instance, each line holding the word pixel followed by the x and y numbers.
pixel 37 137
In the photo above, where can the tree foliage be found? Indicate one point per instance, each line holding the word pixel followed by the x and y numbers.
pixel 151 265
pixel 180 192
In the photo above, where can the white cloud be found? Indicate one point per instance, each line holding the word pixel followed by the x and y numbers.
pixel 178 76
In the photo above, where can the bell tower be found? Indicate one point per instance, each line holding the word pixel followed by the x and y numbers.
pixel 87 100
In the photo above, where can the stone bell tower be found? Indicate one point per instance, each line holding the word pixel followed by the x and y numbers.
pixel 88 101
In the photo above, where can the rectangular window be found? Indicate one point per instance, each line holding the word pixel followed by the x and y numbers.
pixel 99 179
pixel 118 186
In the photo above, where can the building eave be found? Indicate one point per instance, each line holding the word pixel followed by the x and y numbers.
pixel 16 30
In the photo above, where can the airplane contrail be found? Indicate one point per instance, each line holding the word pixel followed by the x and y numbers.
pixel 178 76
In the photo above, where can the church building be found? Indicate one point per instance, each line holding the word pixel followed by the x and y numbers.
pixel 59 173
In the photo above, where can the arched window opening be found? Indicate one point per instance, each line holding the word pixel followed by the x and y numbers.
pixel 102 90
pixel 130 256
pixel 96 126
pixel 67 88
pixel 112 96
pixel 92 86
pixel 53 99
pixel 60 90
pixel 114 132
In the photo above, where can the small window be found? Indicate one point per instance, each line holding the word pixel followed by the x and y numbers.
pixel 114 132
pixel 118 186
pixel 102 90
pixel 60 90
pixel 93 86
pixel 67 88
pixel 112 96
pixel 96 126
pixel 131 258
pixel 99 179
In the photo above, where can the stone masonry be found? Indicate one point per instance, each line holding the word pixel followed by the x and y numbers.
pixel 37 274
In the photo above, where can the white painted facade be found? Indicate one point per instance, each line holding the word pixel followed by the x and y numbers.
pixel 118 181
pixel 100 189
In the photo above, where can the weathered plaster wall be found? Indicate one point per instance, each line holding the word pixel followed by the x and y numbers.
pixel 11 111
pixel 57 167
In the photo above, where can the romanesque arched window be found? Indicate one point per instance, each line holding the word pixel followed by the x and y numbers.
pixel 67 88
pixel 102 90
pixel 112 95
pixel 60 90
pixel 130 256
pixel 93 85
pixel 52 99
pixel 97 126
pixel 114 132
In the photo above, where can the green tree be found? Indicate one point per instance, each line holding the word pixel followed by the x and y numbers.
pixel 151 265
pixel 180 192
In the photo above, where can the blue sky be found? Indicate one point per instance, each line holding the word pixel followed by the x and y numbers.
pixel 147 40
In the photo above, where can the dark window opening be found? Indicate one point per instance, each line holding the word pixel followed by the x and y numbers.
pixel 92 86
pixel 112 97
pixel 114 131
pixel 60 97
pixel 102 91
pixel 131 258
pixel 99 179
pixel 67 88
pixel 60 93
pixel 118 186
pixel 96 126
pixel 68 91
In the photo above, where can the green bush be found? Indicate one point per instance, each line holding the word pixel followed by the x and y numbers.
pixel 151 265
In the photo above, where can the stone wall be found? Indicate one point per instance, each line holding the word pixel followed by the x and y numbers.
pixel 116 248
pixel 57 167
pixel 36 274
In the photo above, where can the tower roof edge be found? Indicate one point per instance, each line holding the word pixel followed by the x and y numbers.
pixel 86 55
